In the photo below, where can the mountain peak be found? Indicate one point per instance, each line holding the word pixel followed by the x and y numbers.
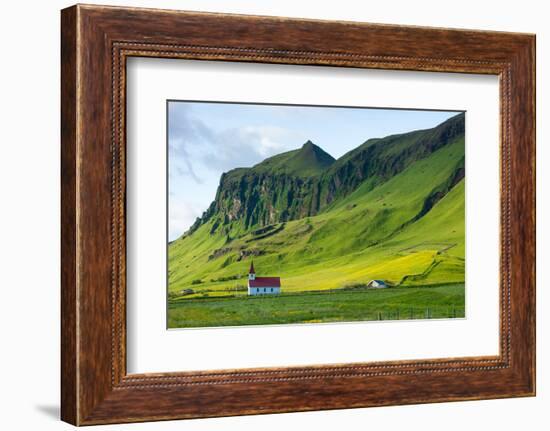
pixel 311 147
pixel 307 161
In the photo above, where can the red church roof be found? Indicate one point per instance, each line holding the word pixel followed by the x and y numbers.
pixel 251 270
pixel 265 282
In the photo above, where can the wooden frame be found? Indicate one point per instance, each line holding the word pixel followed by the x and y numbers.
pixel 96 41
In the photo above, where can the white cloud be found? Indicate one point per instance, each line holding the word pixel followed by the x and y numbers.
pixel 267 140
pixel 192 142
pixel 182 214
pixel 245 146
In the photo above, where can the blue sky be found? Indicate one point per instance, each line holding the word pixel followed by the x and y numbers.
pixel 207 139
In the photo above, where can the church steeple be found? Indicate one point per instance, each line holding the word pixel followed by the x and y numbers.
pixel 251 272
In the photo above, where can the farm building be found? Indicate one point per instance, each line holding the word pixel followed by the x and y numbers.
pixel 377 284
pixel 262 285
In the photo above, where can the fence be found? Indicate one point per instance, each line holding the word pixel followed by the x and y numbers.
pixel 412 313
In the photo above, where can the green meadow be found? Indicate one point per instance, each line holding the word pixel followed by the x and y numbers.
pixel 436 302
pixel 405 227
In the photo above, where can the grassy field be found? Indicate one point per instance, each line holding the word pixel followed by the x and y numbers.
pixel 443 301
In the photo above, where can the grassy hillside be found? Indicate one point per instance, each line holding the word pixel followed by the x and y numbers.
pixel 369 234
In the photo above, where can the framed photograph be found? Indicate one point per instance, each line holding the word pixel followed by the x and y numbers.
pixel 264 214
pixel 250 194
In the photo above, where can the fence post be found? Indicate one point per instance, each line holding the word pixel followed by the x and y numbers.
pixel 379 316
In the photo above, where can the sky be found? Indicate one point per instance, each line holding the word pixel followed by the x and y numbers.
pixel 206 139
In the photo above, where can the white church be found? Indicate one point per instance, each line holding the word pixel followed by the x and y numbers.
pixel 262 285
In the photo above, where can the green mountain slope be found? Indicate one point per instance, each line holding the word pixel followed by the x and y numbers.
pixel 402 222
pixel 378 160
pixel 308 161
pixel 307 181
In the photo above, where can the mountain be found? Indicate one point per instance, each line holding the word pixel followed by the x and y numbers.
pixel 277 189
pixel 392 208
pixel 377 160
pixel 304 182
